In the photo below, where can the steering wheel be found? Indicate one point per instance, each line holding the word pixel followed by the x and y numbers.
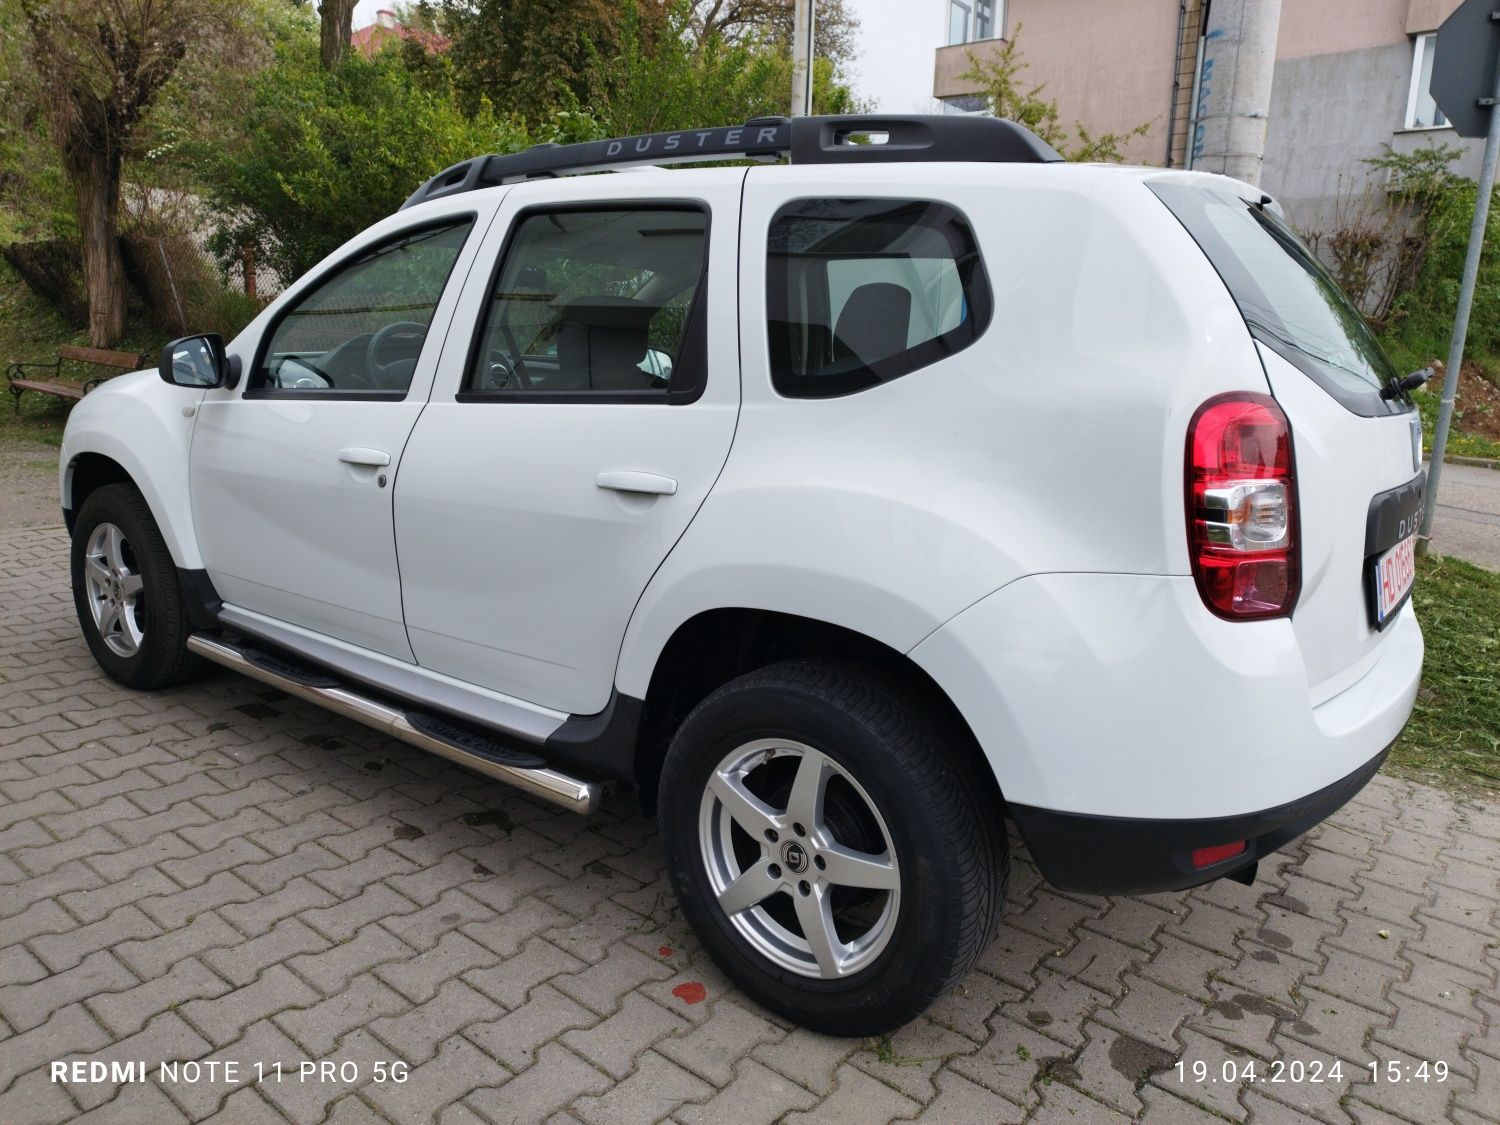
pixel 378 341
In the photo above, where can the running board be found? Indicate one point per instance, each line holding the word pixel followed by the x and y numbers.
pixel 414 727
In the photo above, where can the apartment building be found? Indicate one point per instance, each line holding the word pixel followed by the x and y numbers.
pixel 1348 76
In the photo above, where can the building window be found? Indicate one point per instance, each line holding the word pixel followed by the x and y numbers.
pixel 971 20
pixel 965 104
pixel 1421 111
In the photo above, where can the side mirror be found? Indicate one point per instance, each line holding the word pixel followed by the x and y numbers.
pixel 195 361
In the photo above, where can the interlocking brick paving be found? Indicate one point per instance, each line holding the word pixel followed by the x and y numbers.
pixel 220 874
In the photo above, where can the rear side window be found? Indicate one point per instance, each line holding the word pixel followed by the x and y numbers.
pixel 863 291
pixel 1289 301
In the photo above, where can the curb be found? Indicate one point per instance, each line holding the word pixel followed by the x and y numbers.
pixel 1456 459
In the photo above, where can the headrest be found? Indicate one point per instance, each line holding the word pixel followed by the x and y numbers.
pixel 874 322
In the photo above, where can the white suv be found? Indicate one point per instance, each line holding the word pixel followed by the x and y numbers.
pixel 844 508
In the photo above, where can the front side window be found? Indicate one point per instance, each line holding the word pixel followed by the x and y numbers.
pixel 1288 300
pixel 863 291
pixel 360 330
pixel 597 301
pixel 1421 110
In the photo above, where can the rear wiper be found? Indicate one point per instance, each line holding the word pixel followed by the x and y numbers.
pixel 1394 386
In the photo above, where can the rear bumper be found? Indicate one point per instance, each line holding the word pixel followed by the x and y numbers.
pixel 1120 855
pixel 1121 697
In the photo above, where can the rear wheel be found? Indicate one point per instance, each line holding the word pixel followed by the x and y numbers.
pixel 827 848
pixel 126 592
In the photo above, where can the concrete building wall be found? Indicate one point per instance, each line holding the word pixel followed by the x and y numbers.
pixel 1108 72
pixel 1425 15
pixel 1343 74
pixel 1325 27
pixel 1328 113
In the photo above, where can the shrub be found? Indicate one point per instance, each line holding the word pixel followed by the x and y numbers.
pixel 322 154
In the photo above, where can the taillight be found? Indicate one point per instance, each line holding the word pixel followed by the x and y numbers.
pixel 1242 507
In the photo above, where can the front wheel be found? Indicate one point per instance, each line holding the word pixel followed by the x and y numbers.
pixel 126 592
pixel 828 847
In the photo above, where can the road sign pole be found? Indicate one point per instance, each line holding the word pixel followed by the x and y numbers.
pixel 1461 315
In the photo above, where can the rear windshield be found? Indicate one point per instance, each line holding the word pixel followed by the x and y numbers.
pixel 1287 298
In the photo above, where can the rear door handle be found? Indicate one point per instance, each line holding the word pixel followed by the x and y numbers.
pixel 359 455
pixel 648 483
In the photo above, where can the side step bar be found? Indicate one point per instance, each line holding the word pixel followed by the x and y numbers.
pixel 573 793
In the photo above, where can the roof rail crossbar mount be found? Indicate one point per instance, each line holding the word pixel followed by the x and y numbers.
pixel 850 139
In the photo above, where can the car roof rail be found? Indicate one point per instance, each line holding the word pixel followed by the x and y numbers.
pixel 847 139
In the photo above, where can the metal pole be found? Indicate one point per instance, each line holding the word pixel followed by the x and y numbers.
pixel 804 17
pixel 1461 315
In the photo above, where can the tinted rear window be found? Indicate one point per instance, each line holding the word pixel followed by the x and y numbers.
pixel 863 291
pixel 1289 301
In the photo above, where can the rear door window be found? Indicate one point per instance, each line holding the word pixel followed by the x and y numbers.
pixel 596 304
pixel 863 291
pixel 1289 301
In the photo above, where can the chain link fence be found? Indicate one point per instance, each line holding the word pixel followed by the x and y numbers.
pixel 186 288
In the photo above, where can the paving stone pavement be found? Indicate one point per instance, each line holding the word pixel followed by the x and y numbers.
pixel 221 875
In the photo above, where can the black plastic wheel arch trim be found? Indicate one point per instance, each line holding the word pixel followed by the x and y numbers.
pixel 199 598
pixel 604 743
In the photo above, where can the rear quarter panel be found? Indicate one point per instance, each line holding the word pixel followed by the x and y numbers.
pixel 1054 443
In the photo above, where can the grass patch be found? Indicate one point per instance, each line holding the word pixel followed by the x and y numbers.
pixel 1453 738
pixel 1459 443
pixel 1473 429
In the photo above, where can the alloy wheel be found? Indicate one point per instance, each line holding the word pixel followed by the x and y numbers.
pixel 116 591
pixel 799 858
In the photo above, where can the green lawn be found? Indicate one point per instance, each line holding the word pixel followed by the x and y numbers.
pixel 1453 739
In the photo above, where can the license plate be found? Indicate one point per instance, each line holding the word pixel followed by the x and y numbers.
pixel 1395 571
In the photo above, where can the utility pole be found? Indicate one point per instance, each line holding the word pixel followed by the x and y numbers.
pixel 804 19
pixel 1233 101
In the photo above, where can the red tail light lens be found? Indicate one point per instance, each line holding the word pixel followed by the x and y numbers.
pixel 1242 507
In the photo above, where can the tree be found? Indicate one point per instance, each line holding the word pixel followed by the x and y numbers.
pixel 98 66
pixel 834 29
pixel 667 80
pixel 997 79
pixel 527 57
pixel 322 154
pixel 336 18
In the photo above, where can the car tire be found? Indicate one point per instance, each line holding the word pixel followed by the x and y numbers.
pixel 126 591
pixel 902 817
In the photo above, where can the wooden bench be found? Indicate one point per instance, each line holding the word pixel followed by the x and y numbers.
pixel 121 361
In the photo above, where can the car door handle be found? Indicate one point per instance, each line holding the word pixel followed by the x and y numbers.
pixel 358 455
pixel 637 482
